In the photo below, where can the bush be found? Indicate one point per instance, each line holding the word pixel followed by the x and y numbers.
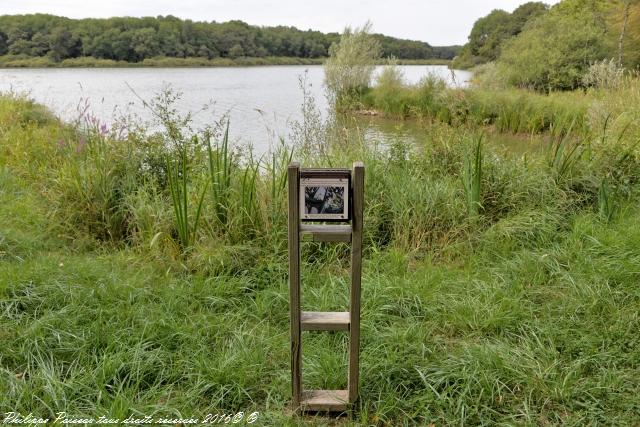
pixel 351 63
pixel 604 74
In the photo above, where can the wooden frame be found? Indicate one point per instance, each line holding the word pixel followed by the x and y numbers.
pixel 325 400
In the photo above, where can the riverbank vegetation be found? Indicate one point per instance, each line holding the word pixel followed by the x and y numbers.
pixel 46 40
pixel 9 61
pixel 145 272
pixel 534 84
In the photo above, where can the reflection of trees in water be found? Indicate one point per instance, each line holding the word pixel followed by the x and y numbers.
pixel 321 200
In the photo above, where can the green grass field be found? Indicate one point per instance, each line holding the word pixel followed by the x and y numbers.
pixel 522 311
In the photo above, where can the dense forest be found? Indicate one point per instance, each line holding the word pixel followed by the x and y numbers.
pixel 554 48
pixel 135 39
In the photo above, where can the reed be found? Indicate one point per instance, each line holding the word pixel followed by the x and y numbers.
pixel 220 171
pixel 607 205
pixel 472 179
pixel 178 181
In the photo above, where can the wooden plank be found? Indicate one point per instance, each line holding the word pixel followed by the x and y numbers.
pixel 325 320
pixel 356 274
pixel 326 233
pixel 325 400
pixel 293 176
pixel 325 173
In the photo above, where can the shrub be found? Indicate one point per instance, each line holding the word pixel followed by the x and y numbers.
pixel 604 74
pixel 351 63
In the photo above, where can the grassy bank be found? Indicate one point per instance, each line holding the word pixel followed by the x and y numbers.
pixel 13 61
pixel 517 303
pixel 10 61
pixel 506 109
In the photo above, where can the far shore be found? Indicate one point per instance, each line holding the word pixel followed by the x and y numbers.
pixel 168 62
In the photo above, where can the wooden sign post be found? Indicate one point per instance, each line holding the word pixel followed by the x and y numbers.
pixel 336 196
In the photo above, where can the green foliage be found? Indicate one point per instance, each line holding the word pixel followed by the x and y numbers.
pixel 472 179
pixel 564 155
pixel 133 40
pixel 556 50
pixel 489 33
pixel 350 65
pixel 220 171
pixel 624 21
pixel 607 205
pixel 509 110
pixel 178 182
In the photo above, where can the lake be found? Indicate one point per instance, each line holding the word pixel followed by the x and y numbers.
pixel 262 102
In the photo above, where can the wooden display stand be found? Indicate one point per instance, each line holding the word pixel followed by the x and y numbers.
pixel 325 400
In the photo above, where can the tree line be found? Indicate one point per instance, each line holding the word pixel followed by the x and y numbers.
pixel 135 39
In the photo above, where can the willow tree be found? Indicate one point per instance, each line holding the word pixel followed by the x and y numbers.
pixel 349 68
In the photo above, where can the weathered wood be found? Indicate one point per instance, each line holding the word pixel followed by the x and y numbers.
pixel 325 320
pixel 325 173
pixel 325 400
pixel 356 272
pixel 326 233
pixel 293 175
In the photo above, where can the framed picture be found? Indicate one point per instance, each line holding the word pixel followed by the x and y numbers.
pixel 325 198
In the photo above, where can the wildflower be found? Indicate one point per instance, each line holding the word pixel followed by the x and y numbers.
pixel 103 129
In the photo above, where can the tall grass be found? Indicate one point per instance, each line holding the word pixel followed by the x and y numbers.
pixel 178 182
pixel 220 166
pixel 607 205
pixel 565 153
pixel 472 179
pixel 349 68
pixel 508 110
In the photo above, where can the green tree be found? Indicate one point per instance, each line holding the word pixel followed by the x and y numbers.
pixel 4 47
pixel 134 39
pixel 62 44
pixel 145 43
pixel 236 51
pixel 555 51
pixel 489 33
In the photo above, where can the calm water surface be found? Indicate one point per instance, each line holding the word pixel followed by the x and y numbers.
pixel 262 102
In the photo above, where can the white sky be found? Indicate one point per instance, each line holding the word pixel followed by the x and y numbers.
pixel 438 22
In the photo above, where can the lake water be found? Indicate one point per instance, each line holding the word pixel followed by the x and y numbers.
pixel 262 102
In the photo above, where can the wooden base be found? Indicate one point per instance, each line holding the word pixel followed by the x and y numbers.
pixel 325 400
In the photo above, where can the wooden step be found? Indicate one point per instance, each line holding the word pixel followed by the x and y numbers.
pixel 325 400
pixel 325 233
pixel 325 320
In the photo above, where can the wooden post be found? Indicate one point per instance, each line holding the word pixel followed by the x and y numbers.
pixel 356 272
pixel 325 400
pixel 293 174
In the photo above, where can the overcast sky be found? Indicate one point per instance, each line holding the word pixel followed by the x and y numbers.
pixel 439 22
